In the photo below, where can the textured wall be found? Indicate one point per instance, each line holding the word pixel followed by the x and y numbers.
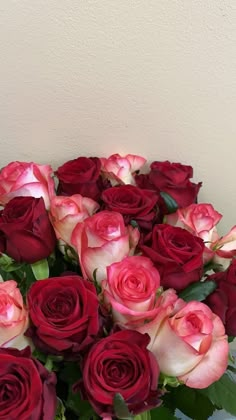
pixel 154 77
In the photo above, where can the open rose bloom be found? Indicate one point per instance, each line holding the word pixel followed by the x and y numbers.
pixel 19 179
pixel 14 319
pixel 117 279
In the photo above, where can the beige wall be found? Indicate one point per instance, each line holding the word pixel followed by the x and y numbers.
pixel 154 77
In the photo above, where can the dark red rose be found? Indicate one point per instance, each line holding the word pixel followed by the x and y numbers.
pixel 120 363
pixel 176 253
pixel 26 234
pixel 27 389
pixel 133 203
pixel 80 176
pixel 223 300
pixel 64 314
pixel 173 179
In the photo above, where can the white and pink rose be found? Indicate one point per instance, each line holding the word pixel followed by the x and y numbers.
pixel 14 317
pixel 200 220
pixel 26 179
pixel 120 170
pixel 101 240
pixel 131 290
pixel 67 212
pixel 189 343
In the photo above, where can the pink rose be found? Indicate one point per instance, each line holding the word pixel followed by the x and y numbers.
pixel 201 221
pixel 120 170
pixel 225 249
pixel 101 240
pixel 66 212
pixel 189 344
pixel 26 179
pixel 13 316
pixel 198 219
pixel 131 289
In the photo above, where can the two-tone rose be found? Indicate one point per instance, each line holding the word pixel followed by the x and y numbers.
pixel 26 179
pixel 14 317
pixel 131 290
pixel 67 212
pixel 101 240
pixel 120 169
pixel 189 343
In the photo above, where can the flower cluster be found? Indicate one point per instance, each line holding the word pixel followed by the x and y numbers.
pixel 117 291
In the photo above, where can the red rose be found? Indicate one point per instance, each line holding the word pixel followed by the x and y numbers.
pixel 80 176
pixel 27 388
pixel 64 314
pixel 121 364
pixel 223 300
pixel 176 253
pixel 133 203
pixel 26 234
pixel 174 179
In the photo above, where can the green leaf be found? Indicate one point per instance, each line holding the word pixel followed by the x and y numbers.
pixel 170 203
pixel 211 265
pixel 8 264
pixel 198 291
pixel 134 224
pixel 231 369
pixel 120 408
pixel 95 282
pixel 143 416
pixel 80 407
pixel 40 269
pixel 42 357
pixel 25 278
pixel 169 380
pixel 70 373
pixel 60 414
pixel 188 400
pixel 8 275
pixel 162 413
pixel 222 393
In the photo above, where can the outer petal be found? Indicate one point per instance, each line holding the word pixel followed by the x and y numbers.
pixel 136 162
pixel 101 258
pixel 210 368
pixel 174 356
pixel 34 189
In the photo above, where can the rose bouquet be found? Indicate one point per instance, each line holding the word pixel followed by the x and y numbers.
pixel 118 294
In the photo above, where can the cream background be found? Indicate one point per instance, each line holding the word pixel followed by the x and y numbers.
pixel 156 78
